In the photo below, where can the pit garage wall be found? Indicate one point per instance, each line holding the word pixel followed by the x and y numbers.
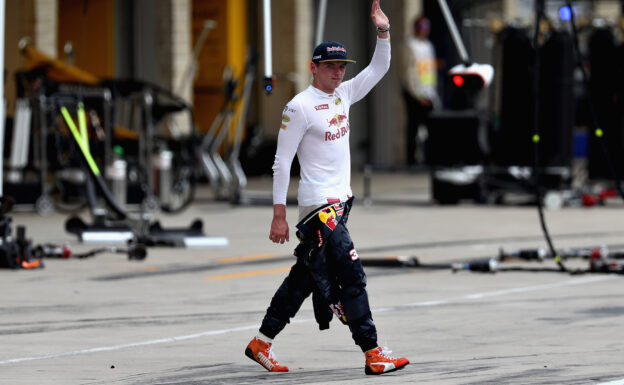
pixel 226 45
pixel 378 121
pixel 89 29
pixel 19 22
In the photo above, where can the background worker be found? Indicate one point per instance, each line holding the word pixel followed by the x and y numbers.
pixel 315 126
pixel 419 86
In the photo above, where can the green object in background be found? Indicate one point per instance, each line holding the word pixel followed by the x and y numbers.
pixel 117 149
pixel 81 136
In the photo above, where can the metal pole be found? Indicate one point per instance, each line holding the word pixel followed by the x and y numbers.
pixel 320 22
pixel 368 174
pixel 459 44
pixel 268 58
pixel 191 67
pixel 2 106
pixel 147 138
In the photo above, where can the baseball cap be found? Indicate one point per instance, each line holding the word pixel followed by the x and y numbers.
pixel 330 51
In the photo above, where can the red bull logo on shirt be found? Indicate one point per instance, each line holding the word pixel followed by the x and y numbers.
pixel 337 120
pixel 339 207
pixel 328 217
pixel 339 133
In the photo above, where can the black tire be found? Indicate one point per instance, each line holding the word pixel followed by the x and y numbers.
pixel 182 191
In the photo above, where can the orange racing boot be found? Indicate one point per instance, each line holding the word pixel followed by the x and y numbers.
pixel 378 361
pixel 262 353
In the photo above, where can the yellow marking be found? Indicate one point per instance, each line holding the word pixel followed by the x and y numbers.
pixel 243 258
pixel 248 274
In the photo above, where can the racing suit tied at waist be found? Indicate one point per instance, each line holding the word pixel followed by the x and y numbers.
pixel 324 220
pixel 315 230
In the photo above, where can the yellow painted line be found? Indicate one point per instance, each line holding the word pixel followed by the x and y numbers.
pixel 254 257
pixel 248 274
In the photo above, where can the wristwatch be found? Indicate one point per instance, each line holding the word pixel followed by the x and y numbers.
pixel 382 30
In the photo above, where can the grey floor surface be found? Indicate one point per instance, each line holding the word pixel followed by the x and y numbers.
pixel 184 316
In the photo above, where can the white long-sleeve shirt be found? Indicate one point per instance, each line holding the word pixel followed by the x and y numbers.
pixel 315 126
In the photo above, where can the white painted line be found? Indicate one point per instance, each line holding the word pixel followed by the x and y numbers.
pixel 106 236
pixel 132 345
pixel 616 382
pixel 206 242
pixel 573 282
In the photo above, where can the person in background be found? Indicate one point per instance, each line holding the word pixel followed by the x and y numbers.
pixel 419 86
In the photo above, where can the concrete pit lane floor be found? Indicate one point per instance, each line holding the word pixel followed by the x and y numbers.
pixel 185 316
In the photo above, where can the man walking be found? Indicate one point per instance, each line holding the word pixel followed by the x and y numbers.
pixel 315 126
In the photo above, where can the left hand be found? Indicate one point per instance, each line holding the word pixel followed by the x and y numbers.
pixel 379 18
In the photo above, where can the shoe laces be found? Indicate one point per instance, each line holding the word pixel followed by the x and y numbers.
pixel 272 356
pixel 385 352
